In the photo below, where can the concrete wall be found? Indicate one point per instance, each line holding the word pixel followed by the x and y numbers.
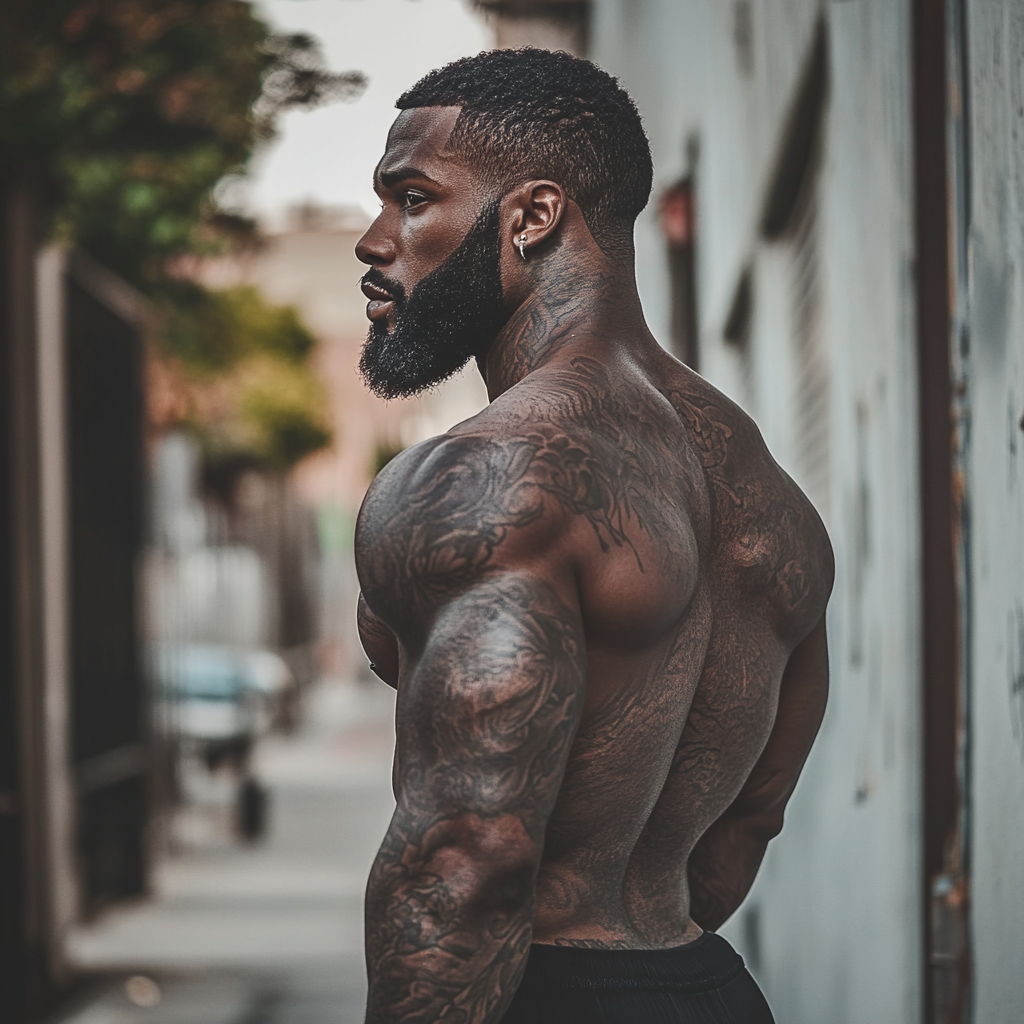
pixel 832 927
pixel 992 370
pixel 549 24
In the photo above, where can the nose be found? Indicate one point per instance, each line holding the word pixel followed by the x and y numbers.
pixel 375 248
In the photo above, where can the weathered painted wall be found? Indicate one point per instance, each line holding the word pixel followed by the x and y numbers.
pixel 832 927
pixel 993 373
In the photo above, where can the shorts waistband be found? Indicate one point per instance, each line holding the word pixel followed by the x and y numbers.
pixel 706 963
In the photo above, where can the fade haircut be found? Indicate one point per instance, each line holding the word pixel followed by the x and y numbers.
pixel 533 113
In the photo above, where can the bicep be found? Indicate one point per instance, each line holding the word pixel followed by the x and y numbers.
pixel 487 713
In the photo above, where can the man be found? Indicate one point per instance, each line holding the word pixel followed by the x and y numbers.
pixel 601 601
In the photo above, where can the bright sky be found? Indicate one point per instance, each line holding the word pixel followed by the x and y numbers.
pixel 328 155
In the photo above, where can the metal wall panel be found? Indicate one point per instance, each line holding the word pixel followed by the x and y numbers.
pixel 991 364
pixel 19 938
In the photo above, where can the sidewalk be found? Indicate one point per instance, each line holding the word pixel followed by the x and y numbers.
pixel 273 933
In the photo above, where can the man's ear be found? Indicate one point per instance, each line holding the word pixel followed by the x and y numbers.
pixel 533 212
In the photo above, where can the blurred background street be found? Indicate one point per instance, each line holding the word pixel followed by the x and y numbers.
pixel 237 933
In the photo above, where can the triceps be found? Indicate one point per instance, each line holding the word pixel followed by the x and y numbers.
pixel 486 719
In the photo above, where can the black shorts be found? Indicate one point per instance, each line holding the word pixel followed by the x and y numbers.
pixel 703 982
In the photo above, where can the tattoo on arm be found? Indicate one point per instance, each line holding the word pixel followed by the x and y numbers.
pixel 721 870
pixel 379 644
pixel 448 547
pixel 488 708
pixel 485 724
pixel 468 497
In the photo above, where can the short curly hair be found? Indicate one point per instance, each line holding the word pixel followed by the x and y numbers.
pixel 533 113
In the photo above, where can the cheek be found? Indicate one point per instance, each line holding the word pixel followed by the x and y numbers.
pixel 429 238
pixel 425 246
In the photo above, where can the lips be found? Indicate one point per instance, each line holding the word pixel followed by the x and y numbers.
pixel 381 302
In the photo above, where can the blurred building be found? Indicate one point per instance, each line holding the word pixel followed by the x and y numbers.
pixel 835 240
pixel 551 24
pixel 75 757
pixel 111 544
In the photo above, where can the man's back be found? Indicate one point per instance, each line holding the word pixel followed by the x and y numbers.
pixel 600 599
pixel 699 566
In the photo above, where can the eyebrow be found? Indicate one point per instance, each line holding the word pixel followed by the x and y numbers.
pixel 391 178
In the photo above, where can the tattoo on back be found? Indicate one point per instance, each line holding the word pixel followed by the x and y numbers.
pixel 472 491
pixel 494 676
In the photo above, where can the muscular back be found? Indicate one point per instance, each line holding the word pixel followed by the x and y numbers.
pixel 596 586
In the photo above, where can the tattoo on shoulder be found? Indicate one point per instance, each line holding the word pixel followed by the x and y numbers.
pixel 770 527
pixel 444 528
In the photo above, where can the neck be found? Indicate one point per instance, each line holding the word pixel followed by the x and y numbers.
pixel 573 304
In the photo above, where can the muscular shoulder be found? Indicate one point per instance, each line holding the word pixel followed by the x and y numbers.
pixel 769 538
pixel 448 512
pixel 569 473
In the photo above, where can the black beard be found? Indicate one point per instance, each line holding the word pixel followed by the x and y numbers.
pixel 453 315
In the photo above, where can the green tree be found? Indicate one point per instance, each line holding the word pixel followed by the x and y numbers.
pixel 210 331
pixel 129 113
pixel 254 397
pixel 134 110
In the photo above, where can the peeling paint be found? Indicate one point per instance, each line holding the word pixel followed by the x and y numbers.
pixel 1015 663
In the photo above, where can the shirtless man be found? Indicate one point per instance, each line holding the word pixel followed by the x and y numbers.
pixel 600 599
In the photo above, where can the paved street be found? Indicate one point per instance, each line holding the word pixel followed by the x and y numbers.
pixel 266 934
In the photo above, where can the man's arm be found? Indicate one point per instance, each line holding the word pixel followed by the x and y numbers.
pixel 726 859
pixel 456 552
pixel 485 724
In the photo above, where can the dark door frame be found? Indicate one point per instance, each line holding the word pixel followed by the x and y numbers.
pixel 25 978
pixel 939 104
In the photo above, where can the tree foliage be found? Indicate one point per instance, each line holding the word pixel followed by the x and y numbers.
pixel 136 109
pixel 210 331
pixel 129 113
pixel 252 396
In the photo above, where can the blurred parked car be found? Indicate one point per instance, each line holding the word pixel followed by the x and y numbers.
pixel 214 702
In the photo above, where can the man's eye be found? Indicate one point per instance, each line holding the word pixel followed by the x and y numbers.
pixel 412 199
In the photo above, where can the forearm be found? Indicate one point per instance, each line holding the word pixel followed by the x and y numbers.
pixel 448 930
pixel 725 861
pixel 723 866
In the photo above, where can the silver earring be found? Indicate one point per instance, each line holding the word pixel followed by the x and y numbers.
pixel 522 246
